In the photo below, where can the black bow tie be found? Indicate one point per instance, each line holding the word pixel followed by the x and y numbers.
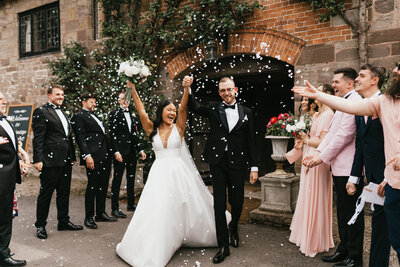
pixel 126 111
pixel 225 106
pixel 3 117
pixel 55 107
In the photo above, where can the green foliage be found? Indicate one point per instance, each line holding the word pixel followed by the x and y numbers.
pixel 330 7
pixel 166 24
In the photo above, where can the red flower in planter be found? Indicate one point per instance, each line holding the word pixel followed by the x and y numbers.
pixel 273 120
pixel 283 126
pixel 269 125
pixel 280 117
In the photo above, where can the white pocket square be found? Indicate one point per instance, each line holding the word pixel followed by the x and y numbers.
pixel 245 118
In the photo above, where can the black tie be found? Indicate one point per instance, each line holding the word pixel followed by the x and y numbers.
pixel 126 111
pixel 56 107
pixel 2 117
pixel 225 106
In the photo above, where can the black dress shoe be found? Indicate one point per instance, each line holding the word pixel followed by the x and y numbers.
pixel 41 232
pixel 104 218
pixel 131 208
pixel 11 262
pixel 89 223
pixel 118 214
pixel 221 254
pixel 348 262
pixel 233 237
pixel 336 257
pixel 69 226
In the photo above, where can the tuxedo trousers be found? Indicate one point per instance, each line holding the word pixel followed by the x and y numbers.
pixel 6 209
pixel 96 189
pixel 224 177
pixel 59 179
pixel 380 245
pixel 129 163
pixel 392 211
pixel 351 236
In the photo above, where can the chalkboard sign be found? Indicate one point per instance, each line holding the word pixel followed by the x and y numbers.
pixel 20 116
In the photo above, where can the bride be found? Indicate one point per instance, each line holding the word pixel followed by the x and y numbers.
pixel 175 207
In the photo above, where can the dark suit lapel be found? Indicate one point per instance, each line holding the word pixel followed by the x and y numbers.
pixel 53 112
pixel 122 117
pixel 241 117
pixel 366 126
pixel 222 116
pixel 4 133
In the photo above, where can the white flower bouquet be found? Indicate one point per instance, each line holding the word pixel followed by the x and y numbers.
pixel 134 70
pixel 299 126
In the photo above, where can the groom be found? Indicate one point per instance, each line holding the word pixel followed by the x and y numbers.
pixel 229 150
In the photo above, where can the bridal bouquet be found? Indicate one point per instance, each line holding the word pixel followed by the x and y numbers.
pixel 134 70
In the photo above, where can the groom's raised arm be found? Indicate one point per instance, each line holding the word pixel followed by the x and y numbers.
pixel 196 107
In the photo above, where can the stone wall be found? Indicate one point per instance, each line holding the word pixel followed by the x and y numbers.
pixel 21 79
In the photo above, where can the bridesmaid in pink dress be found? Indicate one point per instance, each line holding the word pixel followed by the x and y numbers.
pixel 311 227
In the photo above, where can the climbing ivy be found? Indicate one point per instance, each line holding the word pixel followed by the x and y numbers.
pixel 164 28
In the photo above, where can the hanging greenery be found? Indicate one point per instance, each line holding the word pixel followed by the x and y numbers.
pixel 331 7
pixel 166 27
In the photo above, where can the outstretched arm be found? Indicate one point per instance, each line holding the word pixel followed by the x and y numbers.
pixel 144 118
pixel 351 107
pixel 181 122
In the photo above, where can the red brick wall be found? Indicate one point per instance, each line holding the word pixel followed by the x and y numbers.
pixel 296 17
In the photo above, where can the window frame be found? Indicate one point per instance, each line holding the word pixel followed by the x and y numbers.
pixel 31 13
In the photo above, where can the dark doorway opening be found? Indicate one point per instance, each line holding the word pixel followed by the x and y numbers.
pixel 264 86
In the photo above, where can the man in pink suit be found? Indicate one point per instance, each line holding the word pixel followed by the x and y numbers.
pixel 337 150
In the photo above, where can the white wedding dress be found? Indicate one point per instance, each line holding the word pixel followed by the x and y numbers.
pixel 175 209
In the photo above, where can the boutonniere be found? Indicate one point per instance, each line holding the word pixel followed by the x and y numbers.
pixel 10 118
pixel 245 118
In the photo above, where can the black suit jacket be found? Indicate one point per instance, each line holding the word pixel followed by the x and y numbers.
pixel 89 137
pixel 240 141
pixel 369 150
pixel 122 140
pixel 50 144
pixel 9 163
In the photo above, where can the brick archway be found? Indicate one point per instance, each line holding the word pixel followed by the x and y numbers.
pixel 270 43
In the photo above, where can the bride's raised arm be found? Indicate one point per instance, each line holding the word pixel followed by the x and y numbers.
pixel 144 118
pixel 181 121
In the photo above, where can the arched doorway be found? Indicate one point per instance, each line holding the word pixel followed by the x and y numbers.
pixel 264 86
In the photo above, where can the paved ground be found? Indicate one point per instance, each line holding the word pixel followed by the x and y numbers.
pixel 260 245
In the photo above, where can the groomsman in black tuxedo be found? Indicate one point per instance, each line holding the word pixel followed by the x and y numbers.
pixel 92 141
pixel 230 150
pixel 53 156
pixel 370 155
pixel 10 173
pixel 125 146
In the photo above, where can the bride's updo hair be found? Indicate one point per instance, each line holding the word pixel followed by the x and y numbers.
pixel 158 120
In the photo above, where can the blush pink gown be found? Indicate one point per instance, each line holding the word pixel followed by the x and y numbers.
pixel 311 227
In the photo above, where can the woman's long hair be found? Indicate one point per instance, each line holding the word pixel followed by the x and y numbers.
pixel 394 90
pixel 157 122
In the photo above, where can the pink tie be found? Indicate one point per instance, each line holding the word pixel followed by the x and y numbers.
pixel 366 119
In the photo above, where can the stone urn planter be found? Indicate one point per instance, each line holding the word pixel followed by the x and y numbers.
pixel 279 189
pixel 279 149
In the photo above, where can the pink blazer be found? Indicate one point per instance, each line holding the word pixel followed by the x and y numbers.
pixel 338 147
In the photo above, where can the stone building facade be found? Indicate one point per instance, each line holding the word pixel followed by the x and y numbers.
pixel 286 33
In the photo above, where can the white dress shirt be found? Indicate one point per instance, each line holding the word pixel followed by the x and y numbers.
pixel 9 130
pixel 128 119
pixel 62 118
pixel 97 120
